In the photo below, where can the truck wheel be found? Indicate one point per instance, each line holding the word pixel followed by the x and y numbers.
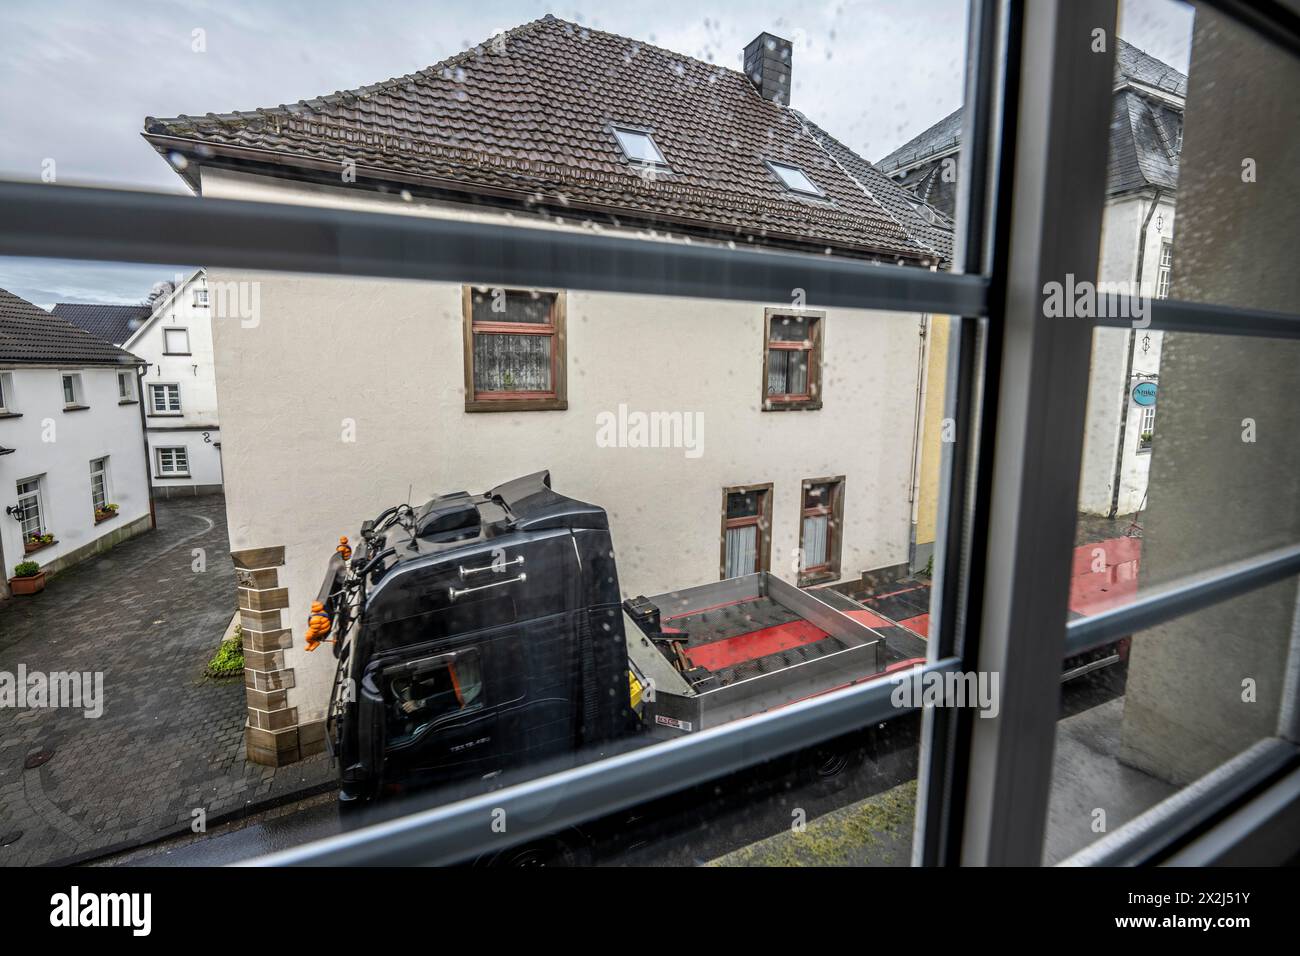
pixel 569 850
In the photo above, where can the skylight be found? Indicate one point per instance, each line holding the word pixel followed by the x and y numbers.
pixel 795 179
pixel 639 147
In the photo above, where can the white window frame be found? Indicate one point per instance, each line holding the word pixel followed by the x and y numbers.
pixel 174 471
pixel 126 388
pixel 170 330
pixel 1164 272
pixel 7 394
pixel 102 473
pixel 200 298
pixel 38 495
pixel 71 381
pixel 160 388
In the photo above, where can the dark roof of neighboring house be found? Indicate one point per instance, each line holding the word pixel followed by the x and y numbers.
pixel 943 136
pixel 112 323
pixel 31 336
pixel 525 118
pixel 1145 136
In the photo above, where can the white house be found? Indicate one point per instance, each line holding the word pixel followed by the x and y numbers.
pixel 785 430
pixel 1136 249
pixel 174 336
pixel 73 478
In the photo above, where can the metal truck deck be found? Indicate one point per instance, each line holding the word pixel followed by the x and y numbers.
pixel 754 643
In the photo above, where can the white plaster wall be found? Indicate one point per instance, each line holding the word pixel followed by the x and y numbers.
pixel 387 356
pixel 197 427
pixel 106 428
pixel 1121 230
pixel 203 449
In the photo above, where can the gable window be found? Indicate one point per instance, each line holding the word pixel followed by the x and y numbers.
pixel 73 395
pixel 795 180
pixel 99 484
pixel 514 350
pixel 639 146
pixel 125 387
pixel 792 350
pixel 165 399
pixel 1165 272
pixel 30 513
pixel 176 342
pixel 746 530
pixel 201 298
pixel 173 462
pixel 820 529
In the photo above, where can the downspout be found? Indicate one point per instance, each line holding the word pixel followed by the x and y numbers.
pixel 918 420
pixel 141 371
pixel 1128 364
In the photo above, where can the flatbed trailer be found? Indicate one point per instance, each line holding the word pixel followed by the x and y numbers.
pixel 755 643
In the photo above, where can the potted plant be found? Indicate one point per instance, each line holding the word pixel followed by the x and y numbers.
pixel 34 542
pixel 104 513
pixel 28 578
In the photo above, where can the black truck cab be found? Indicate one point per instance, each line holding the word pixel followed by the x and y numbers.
pixel 474 634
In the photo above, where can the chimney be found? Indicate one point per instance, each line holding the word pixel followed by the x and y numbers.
pixel 767 64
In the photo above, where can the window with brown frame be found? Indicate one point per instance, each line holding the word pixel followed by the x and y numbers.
pixel 821 526
pixel 514 350
pixel 746 530
pixel 792 359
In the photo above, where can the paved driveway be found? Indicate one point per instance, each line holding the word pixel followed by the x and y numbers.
pixel 169 740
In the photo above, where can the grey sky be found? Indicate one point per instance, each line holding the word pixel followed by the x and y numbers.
pixel 77 77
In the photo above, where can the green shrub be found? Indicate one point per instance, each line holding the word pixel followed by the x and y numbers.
pixel 26 569
pixel 229 659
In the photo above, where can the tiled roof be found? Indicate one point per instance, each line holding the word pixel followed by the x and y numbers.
pixel 31 336
pixel 924 223
pixel 526 117
pixel 112 323
pixel 1145 137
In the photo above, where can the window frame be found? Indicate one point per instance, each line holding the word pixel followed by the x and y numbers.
pixel 168 331
pixel 102 472
pixel 72 381
pixel 126 388
pixel 200 298
pixel 815 348
pixel 38 493
pixel 763 521
pixel 775 168
pixel 167 412
pixel 659 165
pixel 158 461
pixel 830 570
pixel 554 400
pixel 1164 268
pixel 1023 75
pixel 7 408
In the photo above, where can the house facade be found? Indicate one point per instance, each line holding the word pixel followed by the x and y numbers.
pixel 1136 251
pixel 722 437
pixel 173 334
pixel 73 479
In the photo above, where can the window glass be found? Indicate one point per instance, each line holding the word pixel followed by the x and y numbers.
pixel 639 146
pixel 795 179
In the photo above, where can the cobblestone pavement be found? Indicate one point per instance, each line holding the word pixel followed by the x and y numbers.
pixel 170 740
